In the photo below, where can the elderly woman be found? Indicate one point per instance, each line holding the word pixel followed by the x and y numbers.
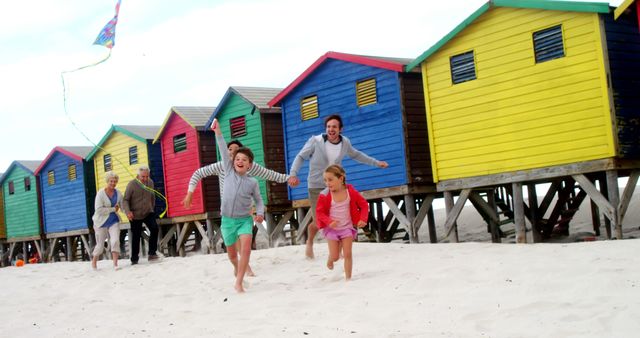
pixel 105 220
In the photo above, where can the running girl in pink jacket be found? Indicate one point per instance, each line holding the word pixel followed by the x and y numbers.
pixel 340 207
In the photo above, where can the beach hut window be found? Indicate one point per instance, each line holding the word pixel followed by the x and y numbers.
pixel 366 92
pixel 463 67
pixel 238 126
pixel 309 107
pixel 71 172
pixel 51 177
pixel 179 143
pixel 107 162
pixel 133 155
pixel 12 189
pixel 547 44
pixel 27 184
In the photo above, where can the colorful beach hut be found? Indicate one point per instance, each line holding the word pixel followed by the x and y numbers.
pixel 123 149
pixel 67 192
pixel 529 91
pixel 3 228
pixel 244 115
pixel 22 208
pixel 186 146
pixel 382 108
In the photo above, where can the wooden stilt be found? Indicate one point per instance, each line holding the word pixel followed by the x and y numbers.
pixel 410 210
pixel 518 212
pixel 277 230
pixel 614 200
pixel 433 236
pixel 534 217
pixel 202 233
pixel 68 250
pixel 485 209
pixel 605 193
pixel 421 217
pixel 494 227
pixel 12 247
pixel 595 217
pixel 301 229
pixel 453 211
pixel 627 194
pixel 603 204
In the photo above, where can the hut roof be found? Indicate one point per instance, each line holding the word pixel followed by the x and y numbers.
pixel 29 166
pixel 390 63
pixel 622 8
pixel 77 153
pixel 196 117
pixel 571 6
pixel 140 133
pixel 257 96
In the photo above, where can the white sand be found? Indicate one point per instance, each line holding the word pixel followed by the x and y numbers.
pixel 473 289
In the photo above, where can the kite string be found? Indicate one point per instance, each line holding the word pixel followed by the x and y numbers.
pixel 64 95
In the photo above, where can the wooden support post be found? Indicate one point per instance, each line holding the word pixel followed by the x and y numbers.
pixel 595 218
pixel 487 210
pixel 182 230
pixel 494 227
pixel 86 245
pixel 627 194
pixel 277 230
pixel 605 193
pixel 397 214
pixel 453 211
pixel 12 247
pixel 614 199
pixel 606 206
pixel 203 234
pixel 533 213
pixel 433 236
pixel 25 253
pixel 301 229
pixel 37 245
pixel 67 253
pixel 421 217
pixel 518 212
pixel 410 210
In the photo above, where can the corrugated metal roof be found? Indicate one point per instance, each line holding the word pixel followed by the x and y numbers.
pixel 146 132
pixel 258 96
pixel 81 151
pixel 197 116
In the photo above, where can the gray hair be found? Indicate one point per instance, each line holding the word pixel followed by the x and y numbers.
pixel 109 175
pixel 142 168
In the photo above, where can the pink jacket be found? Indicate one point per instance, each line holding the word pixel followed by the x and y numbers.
pixel 359 208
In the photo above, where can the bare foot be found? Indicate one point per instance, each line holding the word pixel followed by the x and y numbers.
pixel 249 272
pixel 330 264
pixel 309 251
pixel 239 288
pixel 94 265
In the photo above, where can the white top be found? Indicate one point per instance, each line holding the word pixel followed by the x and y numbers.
pixel 332 150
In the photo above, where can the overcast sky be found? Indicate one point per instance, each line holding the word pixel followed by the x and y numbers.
pixel 180 53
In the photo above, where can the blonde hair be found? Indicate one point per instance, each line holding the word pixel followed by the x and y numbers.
pixel 109 175
pixel 338 172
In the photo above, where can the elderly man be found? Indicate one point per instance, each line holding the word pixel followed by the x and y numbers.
pixel 138 203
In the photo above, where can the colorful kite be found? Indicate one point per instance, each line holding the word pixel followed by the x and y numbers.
pixel 107 36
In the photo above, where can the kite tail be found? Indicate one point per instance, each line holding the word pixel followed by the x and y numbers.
pixel 64 95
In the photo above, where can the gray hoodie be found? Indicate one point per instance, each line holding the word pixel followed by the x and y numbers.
pixel 239 191
pixel 314 151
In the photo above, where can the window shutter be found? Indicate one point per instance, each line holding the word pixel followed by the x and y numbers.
pixel 107 162
pixel 309 107
pixel 463 67
pixel 179 143
pixel 27 184
pixel 547 44
pixel 366 92
pixel 51 177
pixel 133 155
pixel 12 189
pixel 238 126
pixel 71 172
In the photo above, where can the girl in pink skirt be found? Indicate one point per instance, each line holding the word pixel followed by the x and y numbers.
pixel 339 208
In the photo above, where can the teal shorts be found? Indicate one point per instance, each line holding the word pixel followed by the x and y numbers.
pixel 232 228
